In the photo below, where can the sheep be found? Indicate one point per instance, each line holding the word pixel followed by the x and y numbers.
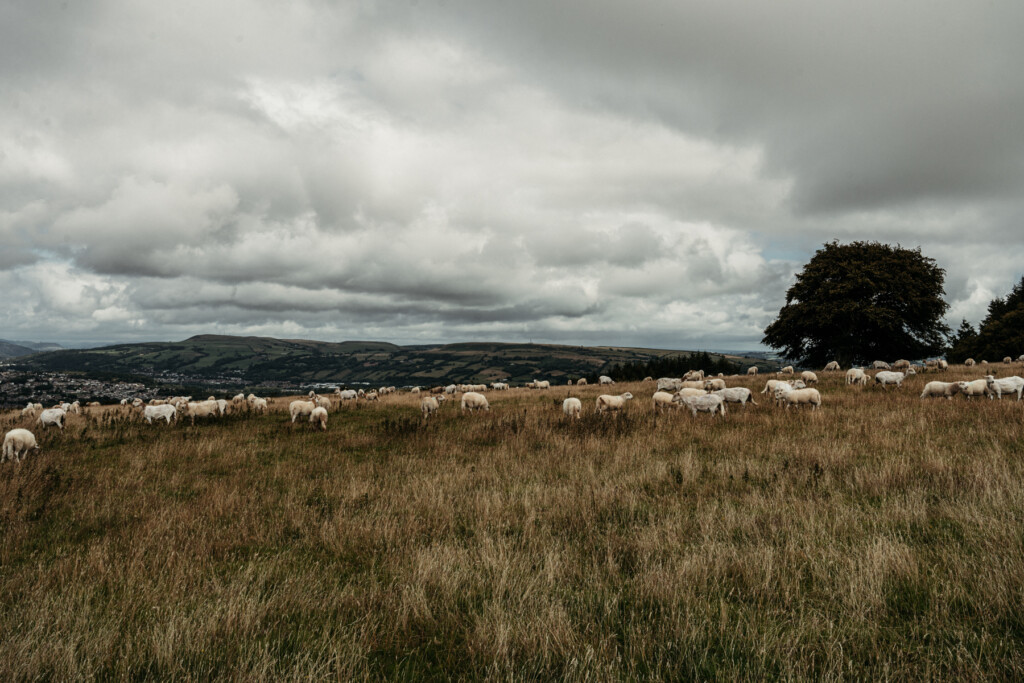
pixel 450 389
pixel 205 408
pixel 609 403
pixel 885 378
pixel 670 384
pixel 300 409
pixel 797 384
pixel 880 365
pixel 978 387
pixel 714 384
pixel 1020 358
pixel 372 396
pixel 832 366
pixel 164 412
pixel 770 385
pixel 28 411
pixel 1006 385
pixel 943 364
pixel 414 390
pixel 322 402
pixel 856 376
pixel 687 391
pixel 542 384
pixel 52 416
pixel 808 377
pixel 800 397
pixel 581 382
pixel 708 403
pixel 502 386
pixel 572 407
pixel 347 395
pixel 259 405
pixel 648 379
pixel 969 362
pixel 17 444
pixel 428 406
pixel 939 389
pixel 318 418
pixel 1007 360
pixel 661 400
pixel 788 370
pixel 605 379
pixel 472 401
pixel 901 364
pixel 238 399
pixel 736 395
pixel 694 376
pixel 752 370
pixel 984 362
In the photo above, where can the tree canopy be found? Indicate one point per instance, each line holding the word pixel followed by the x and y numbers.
pixel 862 301
pixel 1001 333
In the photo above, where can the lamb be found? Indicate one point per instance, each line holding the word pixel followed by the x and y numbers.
pixel 205 408
pixel 736 395
pixel 605 379
pixel 800 397
pixel 856 376
pixel 300 409
pixel 714 384
pixel 1006 385
pixel 609 403
pixel 318 417
pixel 832 366
pixel 472 401
pixel 808 377
pixel 17 444
pixel 880 365
pixel 885 378
pixel 52 416
pixel 164 412
pixel 670 384
pixel 752 370
pixel 939 389
pixel 428 406
pixel 581 382
pixel 978 387
pixel 788 370
pixel 572 407
pixel 708 403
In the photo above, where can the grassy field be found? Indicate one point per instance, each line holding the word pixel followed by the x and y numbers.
pixel 879 538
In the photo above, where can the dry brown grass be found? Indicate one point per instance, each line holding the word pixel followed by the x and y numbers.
pixel 882 537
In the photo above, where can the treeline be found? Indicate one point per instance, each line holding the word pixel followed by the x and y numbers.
pixel 1000 334
pixel 672 366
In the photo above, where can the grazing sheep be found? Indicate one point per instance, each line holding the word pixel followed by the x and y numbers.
pixel 708 403
pixel 472 401
pixel 347 395
pixel 259 405
pixel 661 400
pixel 502 386
pixel 788 370
pixel 1020 358
pixel 856 376
pixel 318 418
pixel 609 403
pixel 648 379
pixel 205 408
pixel 797 384
pixel 714 384
pixel 322 402
pixel 752 370
pixel 885 378
pixel 581 382
pixel 969 362
pixel 800 397
pixel 901 364
pixel 943 364
pixel 222 406
pixel 372 396
pixel 770 386
pixel 429 406
pixel 1007 360
pixel 808 377
pixel 238 398
pixel 28 411
pixel 736 395
pixel 52 416
pixel 880 365
pixel 17 444
pixel 670 384
pixel 605 379
pixel 984 362
pixel 164 412
pixel 572 407
pixel 940 389
pixel 978 387
pixel 542 384
pixel 694 376
pixel 299 409
pixel 832 366
pixel 1005 385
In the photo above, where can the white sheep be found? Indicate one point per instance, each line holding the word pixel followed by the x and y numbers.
pixel 969 362
pixel 164 412
pixel 670 384
pixel 832 366
pixel 1007 360
pixel 609 403
pixel 299 409
pixel 788 370
pixel 428 406
pixel 736 395
pixel 940 389
pixel 502 386
pixel 52 416
pixel 708 403
pixel 542 384
pixel 694 376
pixel 943 364
pixel 581 382
pixel 772 384
pixel 322 402
pixel 880 365
pixel 28 411
pixel 347 395
pixel 714 384
pixel 572 407
pixel 238 399
pixel 1005 385
pixel 318 417
pixel 800 397
pixel 978 387
pixel 808 377
pixel 886 377
pixel 752 370
pixel 901 364
pixel 605 379
pixel 222 406
pixel 472 401
pixel 856 376
pixel 205 408
pixel 661 400
pixel 371 396
pixel 259 405
pixel 17 444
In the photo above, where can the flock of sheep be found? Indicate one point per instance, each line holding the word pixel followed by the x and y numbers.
pixel 693 391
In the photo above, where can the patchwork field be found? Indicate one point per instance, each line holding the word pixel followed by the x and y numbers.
pixel 881 537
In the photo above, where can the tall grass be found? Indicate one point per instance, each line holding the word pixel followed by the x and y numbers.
pixel 881 537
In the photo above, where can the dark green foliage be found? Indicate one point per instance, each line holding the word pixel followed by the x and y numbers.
pixel 862 301
pixel 1001 333
pixel 962 343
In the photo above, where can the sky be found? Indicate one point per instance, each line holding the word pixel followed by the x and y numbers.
pixel 608 173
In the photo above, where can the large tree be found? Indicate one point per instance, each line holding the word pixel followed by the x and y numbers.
pixel 860 302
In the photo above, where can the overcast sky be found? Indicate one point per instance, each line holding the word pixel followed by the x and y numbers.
pixel 646 173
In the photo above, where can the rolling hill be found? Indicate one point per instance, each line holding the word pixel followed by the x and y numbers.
pixel 265 359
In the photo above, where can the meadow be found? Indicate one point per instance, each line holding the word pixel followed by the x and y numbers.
pixel 881 537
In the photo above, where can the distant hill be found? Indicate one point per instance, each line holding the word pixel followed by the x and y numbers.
pixel 15 349
pixel 265 359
